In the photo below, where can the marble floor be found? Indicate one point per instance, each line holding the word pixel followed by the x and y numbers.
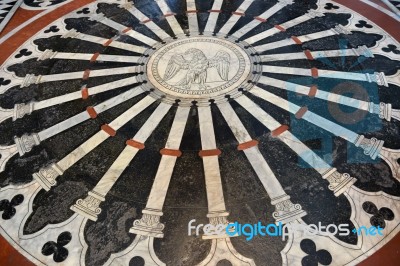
pixel 123 121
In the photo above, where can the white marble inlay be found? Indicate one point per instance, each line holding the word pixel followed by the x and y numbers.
pixel 303 39
pixel 324 95
pixel 79 118
pixel 377 77
pixel 192 16
pixel 308 116
pixel 102 41
pixel 170 17
pixel 166 167
pixel 291 23
pixel 213 17
pixel 235 17
pixel 101 57
pixel 98 138
pixel 147 21
pixel 78 94
pixel 286 211
pixel 254 23
pixel 124 29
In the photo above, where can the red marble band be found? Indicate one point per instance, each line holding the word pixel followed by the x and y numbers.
pixel 238 13
pixel 383 20
pixel 260 19
pixel 296 40
pixel 94 57
pixel 126 30
pixel 92 112
pixel 313 91
pixel 108 42
pixel 276 132
pixel 85 93
pixel 146 21
pixel 302 111
pixel 247 145
pixel 136 144
pixel 86 74
pixel 308 55
pixel 109 130
pixel 207 153
pixel 169 15
pixel 279 27
pixel 21 36
pixel 171 152
pixel 314 72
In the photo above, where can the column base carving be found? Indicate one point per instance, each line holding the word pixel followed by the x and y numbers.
pixel 285 210
pixel 338 182
pixel 363 51
pixel 371 147
pixel 217 218
pixel 380 79
pixel 149 224
pixel 46 177
pixel 26 143
pixel 47 54
pixel 20 110
pixel 30 79
pixel 89 207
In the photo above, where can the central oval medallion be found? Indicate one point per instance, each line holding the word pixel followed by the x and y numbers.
pixel 198 67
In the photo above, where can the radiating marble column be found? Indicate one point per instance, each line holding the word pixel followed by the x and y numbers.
pixel 89 207
pixel 285 211
pixel 47 175
pixel 26 142
pixel 339 29
pixel 315 55
pixel 123 29
pixel 235 17
pixel 372 147
pixel 170 17
pixel 191 12
pixel 384 110
pixel 149 226
pixel 105 42
pixel 262 17
pixel 378 77
pixel 22 109
pixel 145 20
pixel 284 26
pixel 222 247
pixel 213 17
pixel 338 182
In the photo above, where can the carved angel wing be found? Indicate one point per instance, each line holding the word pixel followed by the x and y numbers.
pixel 176 63
pixel 221 62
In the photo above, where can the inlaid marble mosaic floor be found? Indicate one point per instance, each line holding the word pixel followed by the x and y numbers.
pixel 122 121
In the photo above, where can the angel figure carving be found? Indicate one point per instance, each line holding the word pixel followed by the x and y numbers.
pixel 196 64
